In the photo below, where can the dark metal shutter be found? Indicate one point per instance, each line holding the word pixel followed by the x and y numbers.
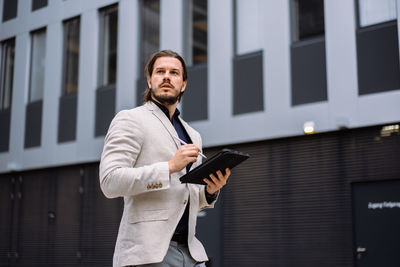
pixel 290 204
pixel 57 217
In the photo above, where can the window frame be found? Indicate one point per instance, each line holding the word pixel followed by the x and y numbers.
pixel 144 51
pixel 65 63
pixel 38 31
pixel 4 71
pixel 189 40
pixel 103 70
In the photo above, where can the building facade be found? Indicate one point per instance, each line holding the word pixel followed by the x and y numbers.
pixel 261 74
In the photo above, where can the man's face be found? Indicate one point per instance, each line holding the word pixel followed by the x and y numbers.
pixel 166 81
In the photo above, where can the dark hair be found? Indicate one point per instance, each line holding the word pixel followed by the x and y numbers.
pixel 148 70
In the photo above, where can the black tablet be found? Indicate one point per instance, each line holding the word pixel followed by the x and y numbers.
pixel 226 158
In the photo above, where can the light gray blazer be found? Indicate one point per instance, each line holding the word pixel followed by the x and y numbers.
pixel 134 165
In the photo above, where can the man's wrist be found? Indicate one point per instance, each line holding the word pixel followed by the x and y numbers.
pixel 171 167
pixel 211 197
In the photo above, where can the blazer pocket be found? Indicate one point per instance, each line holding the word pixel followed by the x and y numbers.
pixel 148 215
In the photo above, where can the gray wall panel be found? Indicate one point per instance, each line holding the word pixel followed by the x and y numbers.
pixel 248 89
pixel 195 99
pixel 67 118
pixel 378 59
pixel 33 124
pixel 10 8
pixel 105 109
pixel 308 71
pixel 141 86
pixel 5 116
pixel 36 4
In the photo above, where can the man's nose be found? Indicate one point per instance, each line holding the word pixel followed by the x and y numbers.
pixel 167 75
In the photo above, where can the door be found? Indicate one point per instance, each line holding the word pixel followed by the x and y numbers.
pixel 376 217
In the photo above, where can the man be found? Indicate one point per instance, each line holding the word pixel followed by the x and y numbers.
pixel 142 161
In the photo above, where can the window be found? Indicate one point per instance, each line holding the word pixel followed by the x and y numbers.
pixel 247 15
pixel 10 9
pixel 150 30
pixel 71 56
pixel 196 32
pixel 308 19
pixel 377 47
pixel 376 11
pixel 6 73
pixel 37 4
pixel 38 54
pixel 108 46
pixel 307 52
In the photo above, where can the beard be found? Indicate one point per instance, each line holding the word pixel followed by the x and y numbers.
pixel 165 99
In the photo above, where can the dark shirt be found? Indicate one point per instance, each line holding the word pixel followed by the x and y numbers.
pixel 182 227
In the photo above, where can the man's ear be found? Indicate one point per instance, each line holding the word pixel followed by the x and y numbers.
pixel 148 82
pixel 184 86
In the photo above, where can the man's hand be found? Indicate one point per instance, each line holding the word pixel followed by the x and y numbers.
pixel 214 184
pixel 185 155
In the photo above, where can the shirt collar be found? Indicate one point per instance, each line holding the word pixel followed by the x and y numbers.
pixel 166 111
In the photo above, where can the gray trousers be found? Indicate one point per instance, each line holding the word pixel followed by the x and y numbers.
pixel 177 256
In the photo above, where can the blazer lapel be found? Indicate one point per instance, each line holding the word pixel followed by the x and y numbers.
pixel 164 120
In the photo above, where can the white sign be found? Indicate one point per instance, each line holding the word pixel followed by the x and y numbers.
pixel 383 205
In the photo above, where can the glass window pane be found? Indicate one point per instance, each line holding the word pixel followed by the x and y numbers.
pixel 199 31
pixel 71 56
pixel 6 73
pixel 38 54
pixel 150 30
pixel 308 19
pixel 196 32
pixel 248 15
pixel 108 46
pixel 377 11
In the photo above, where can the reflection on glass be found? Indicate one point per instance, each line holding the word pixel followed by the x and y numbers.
pixel 6 73
pixel 71 56
pixel 108 46
pixel 38 53
pixel 150 30
pixel 308 19
pixel 376 11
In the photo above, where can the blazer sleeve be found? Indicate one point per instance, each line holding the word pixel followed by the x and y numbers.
pixel 122 147
pixel 203 203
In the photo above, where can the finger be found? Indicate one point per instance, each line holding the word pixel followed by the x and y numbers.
pixel 217 182
pixel 220 175
pixel 208 182
pixel 190 152
pixel 227 173
pixel 190 146
pixel 221 179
